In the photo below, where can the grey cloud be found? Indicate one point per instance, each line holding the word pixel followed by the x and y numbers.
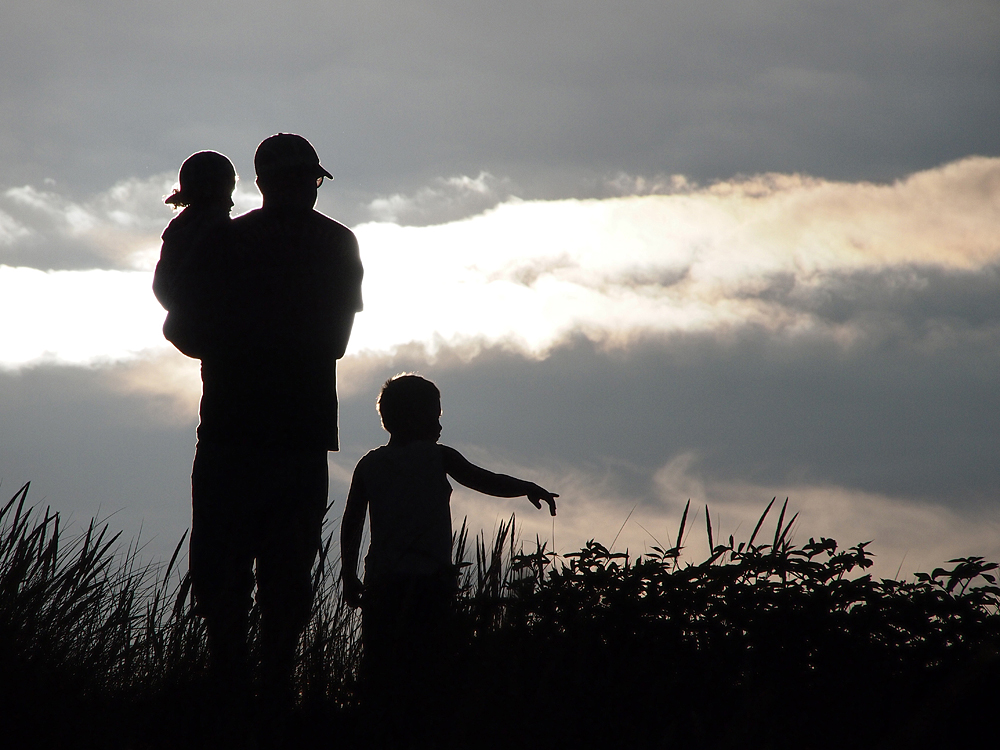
pixel 90 450
pixel 624 184
pixel 114 443
pixel 893 416
pixel 49 230
pixel 918 297
pixel 443 201
pixel 11 230
pixel 652 279
pixel 527 272
pixel 554 96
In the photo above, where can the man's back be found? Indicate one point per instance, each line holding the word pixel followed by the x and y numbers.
pixel 296 285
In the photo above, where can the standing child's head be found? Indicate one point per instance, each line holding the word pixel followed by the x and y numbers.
pixel 410 407
pixel 207 179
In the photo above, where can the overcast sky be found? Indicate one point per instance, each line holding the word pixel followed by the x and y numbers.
pixel 713 250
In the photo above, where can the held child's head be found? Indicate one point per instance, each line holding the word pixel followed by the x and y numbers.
pixel 410 407
pixel 207 178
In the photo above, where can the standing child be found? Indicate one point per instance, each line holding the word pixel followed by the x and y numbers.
pixel 181 282
pixel 410 581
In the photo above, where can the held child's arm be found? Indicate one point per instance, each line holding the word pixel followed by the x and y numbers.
pixel 499 485
pixel 351 529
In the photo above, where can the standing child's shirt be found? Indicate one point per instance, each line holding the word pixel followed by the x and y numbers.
pixel 409 509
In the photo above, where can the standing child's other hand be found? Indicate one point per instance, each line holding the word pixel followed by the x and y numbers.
pixel 353 590
pixel 537 494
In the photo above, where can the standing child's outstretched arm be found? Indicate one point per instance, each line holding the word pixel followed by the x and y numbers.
pixel 499 485
pixel 351 529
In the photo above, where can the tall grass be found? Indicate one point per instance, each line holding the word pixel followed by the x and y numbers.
pixel 765 643
pixel 330 652
pixel 81 624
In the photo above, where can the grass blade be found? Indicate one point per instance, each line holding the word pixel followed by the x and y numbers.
pixel 777 528
pixel 760 522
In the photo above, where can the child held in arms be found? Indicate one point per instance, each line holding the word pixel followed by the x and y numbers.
pixel 191 243
pixel 410 581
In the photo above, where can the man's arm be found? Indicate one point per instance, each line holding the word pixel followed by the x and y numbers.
pixel 351 529
pixel 351 304
pixel 342 334
pixel 499 485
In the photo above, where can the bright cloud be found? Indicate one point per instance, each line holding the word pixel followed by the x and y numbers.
pixel 76 317
pixel 695 260
pixel 758 251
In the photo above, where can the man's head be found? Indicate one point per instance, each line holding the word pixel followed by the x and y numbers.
pixel 410 407
pixel 288 171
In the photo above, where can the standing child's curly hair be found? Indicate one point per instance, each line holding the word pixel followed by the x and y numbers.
pixel 408 404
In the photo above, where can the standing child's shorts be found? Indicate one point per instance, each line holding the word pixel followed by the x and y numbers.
pixel 410 639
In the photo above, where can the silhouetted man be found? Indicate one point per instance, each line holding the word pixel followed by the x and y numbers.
pixel 269 415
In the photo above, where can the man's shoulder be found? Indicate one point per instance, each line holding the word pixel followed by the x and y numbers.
pixel 248 224
pixel 249 216
pixel 321 219
pixel 329 229
pixel 319 226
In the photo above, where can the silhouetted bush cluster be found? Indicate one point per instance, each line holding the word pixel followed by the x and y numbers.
pixel 761 645
pixel 766 644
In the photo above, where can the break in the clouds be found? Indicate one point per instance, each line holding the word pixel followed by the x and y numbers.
pixel 786 253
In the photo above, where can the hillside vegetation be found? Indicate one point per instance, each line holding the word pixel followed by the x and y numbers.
pixel 765 644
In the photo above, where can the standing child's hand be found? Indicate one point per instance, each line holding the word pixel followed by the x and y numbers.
pixel 537 494
pixel 353 590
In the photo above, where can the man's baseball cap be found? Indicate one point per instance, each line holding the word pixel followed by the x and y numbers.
pixel 286 153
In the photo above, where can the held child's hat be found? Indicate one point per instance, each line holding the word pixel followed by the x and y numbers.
pixel 286 153
pixel 206 175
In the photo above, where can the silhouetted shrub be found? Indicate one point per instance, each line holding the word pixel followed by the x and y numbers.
pixel 760 645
